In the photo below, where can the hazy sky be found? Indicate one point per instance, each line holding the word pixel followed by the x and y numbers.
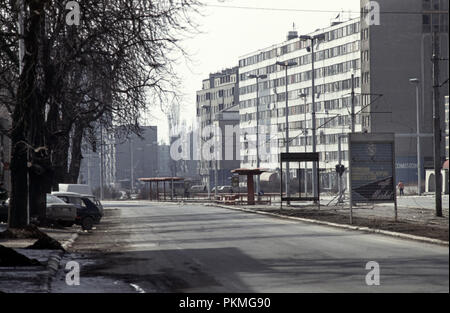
pixel 229 33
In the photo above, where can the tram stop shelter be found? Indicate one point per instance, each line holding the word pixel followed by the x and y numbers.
pixel 155 181
pixel 307 157
pixel 250 181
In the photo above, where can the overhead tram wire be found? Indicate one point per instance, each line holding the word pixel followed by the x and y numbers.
pixel 315 11
pixel 332 118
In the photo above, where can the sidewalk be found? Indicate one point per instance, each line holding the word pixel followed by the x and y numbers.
pixel 34 279
pixel 416 215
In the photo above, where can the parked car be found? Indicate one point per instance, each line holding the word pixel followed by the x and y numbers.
pixel 223 189
pixel 89 209
pixel 60 212
pixel 57 211
pixel 198 188
pixel 134 196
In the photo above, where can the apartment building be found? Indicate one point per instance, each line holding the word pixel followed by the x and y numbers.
pixel 218 106
pixel 382 57
pixel 337 58
pixel 100 161
pixel 137 157
pixel 446 127
pixel 397 49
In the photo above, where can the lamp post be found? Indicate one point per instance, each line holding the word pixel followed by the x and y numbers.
pixel 305 133
pixel 312 39
pixel 257 77
pixel 416 82
pixel 286 65
pixel 101 163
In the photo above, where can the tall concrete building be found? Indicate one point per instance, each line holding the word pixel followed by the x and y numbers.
pixel 218 106
pixel 336 59
pixel 397 49
pixel 446 127
pixel 164 161
pixel 382 56
pixel 100 162
pixel 188 166
pixel 137 157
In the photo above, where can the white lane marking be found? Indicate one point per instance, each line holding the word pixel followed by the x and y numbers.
pixel 141 245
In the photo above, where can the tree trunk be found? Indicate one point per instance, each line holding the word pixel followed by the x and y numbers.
pixel 23 120
pixel 60 156
pixel 18 216
pixel 76 156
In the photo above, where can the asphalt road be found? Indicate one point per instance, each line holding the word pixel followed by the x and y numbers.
pixel 154 247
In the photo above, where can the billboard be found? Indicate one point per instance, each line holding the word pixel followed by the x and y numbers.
pixel 372 167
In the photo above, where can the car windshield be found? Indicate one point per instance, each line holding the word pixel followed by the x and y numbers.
pixel 53 199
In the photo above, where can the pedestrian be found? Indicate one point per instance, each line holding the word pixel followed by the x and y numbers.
pixel 401 186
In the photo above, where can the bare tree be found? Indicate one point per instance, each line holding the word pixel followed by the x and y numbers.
pixel 74 76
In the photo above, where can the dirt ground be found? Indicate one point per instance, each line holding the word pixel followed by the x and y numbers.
pixel 339 216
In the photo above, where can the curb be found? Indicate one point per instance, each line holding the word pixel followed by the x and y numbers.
pixel 53 263
pixel 342 226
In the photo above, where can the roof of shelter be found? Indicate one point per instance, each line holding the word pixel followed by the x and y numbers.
pixel 248 171
pixel 161 179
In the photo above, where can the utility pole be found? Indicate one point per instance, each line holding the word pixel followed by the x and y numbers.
pixel 353 103
pixel 419 157
pixel 313 118
pixel 288 193
pixel 131 166
pixel 286 65
pixel 101 162
pixel 338 174
pixel 312 39
pixel 305 133
pixel 258 178
pixel 215 160
pixel 437 126
pixel 416 81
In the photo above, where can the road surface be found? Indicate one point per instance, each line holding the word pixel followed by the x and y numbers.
pixel 155 247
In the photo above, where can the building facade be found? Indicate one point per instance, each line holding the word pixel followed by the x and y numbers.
pixel 218 107
pixel 396 50
pixel 446 127
pixel 136 157
pixel 337 58
pixel 188 166
pixel 164 161
pixel 99 167
pixel 382 57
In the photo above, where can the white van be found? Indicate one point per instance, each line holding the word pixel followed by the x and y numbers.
pixel 76 188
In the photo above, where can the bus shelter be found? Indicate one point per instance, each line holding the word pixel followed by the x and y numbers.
pixel 298 158
pixel 156 181
pixel 250 181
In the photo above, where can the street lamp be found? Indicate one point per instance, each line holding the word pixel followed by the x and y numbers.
pixel 305 133
pixel 257 77
pixel 286 65
pixel 312 39
pixel 416 82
